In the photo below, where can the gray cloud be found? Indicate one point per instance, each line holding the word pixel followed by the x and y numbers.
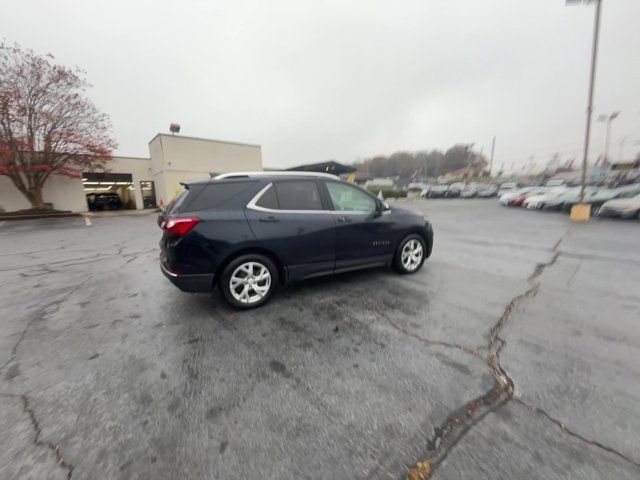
pixel 315 80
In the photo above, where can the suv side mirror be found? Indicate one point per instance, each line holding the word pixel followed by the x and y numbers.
pixel 381 206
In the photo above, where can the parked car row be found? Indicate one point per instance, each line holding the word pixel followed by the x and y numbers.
pixel 617 202
pixel 461 190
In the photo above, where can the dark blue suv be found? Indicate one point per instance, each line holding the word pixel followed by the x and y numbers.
pixel 248 233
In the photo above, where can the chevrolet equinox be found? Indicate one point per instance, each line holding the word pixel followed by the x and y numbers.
pixel 249 233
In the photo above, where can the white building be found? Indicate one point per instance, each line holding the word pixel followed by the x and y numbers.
pixel 379 182
pixel 143 182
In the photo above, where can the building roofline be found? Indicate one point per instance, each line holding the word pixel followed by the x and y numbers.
pixel 205 140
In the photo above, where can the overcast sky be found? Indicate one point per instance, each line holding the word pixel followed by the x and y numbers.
pixel 315 80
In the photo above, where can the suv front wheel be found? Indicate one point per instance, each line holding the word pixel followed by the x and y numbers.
pixel 411 254
pixel 248 281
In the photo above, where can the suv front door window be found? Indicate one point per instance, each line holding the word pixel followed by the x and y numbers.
pixel 346 198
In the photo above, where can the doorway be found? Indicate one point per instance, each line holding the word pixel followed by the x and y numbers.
pixel 109 191
pixel 148 194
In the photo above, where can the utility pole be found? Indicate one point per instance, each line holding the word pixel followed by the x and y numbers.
pixel 592 77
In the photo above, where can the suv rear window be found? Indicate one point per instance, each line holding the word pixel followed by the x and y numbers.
pixel 203 196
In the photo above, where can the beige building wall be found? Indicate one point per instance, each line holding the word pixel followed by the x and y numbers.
pixel 176 159
pixel 173 159
pixel 63 192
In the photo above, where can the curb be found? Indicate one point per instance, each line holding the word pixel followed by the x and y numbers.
pixel 120 213
pixel 4 218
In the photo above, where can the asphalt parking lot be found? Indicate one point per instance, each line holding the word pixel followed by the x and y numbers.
pixel 513 354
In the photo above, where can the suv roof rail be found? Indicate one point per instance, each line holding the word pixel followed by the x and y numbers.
pixel 273 174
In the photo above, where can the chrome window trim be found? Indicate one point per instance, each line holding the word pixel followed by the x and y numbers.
pixel 256 198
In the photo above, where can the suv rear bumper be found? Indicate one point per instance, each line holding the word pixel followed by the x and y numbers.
pixel 201 283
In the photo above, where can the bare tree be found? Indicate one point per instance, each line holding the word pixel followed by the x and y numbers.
pixel 47 125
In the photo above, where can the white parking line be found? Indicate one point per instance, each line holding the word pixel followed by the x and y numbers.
pixel 87 220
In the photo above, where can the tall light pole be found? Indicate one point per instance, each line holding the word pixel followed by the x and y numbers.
pixel 607 137
pixel 592 77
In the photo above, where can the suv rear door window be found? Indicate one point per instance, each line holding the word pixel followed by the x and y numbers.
pixel 268 199
pixel 298 195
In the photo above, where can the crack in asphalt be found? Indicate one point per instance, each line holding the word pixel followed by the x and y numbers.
pixel 35 425
pixel 600 258
pixel 463 418
pixel 41 314
pixel 574 434
pixel 471 351
pixel 54 447
pixel 26 404
pixel 78 260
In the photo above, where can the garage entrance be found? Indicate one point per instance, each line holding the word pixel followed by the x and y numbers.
pixel 109 191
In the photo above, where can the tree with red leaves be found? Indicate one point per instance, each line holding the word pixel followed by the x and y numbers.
pixel 47 125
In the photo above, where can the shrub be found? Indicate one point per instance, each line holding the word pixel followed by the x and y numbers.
pixel 388 192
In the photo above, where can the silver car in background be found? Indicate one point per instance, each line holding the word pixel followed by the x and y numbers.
pixel 621 207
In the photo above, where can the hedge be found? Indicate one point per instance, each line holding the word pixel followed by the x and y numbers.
pixel 388 192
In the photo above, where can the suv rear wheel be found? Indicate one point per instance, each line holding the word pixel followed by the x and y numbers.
pixel 248 281
pixel 410 255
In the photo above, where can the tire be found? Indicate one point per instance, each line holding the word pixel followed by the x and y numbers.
pixel 408 266
pixel 259 285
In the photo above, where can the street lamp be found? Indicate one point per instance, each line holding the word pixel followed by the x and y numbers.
pixel 576 214
pixel 608 119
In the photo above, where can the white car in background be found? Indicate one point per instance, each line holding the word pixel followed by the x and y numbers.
pixel 507 188
pixel 504 198
pixel 621 207
pixel 555 183
pixel 539 201
pixel 568 195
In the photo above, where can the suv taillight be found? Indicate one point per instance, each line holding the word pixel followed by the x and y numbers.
pixel 179 226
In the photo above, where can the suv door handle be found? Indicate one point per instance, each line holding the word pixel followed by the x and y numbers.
pixel 269 219
pixel 344 219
